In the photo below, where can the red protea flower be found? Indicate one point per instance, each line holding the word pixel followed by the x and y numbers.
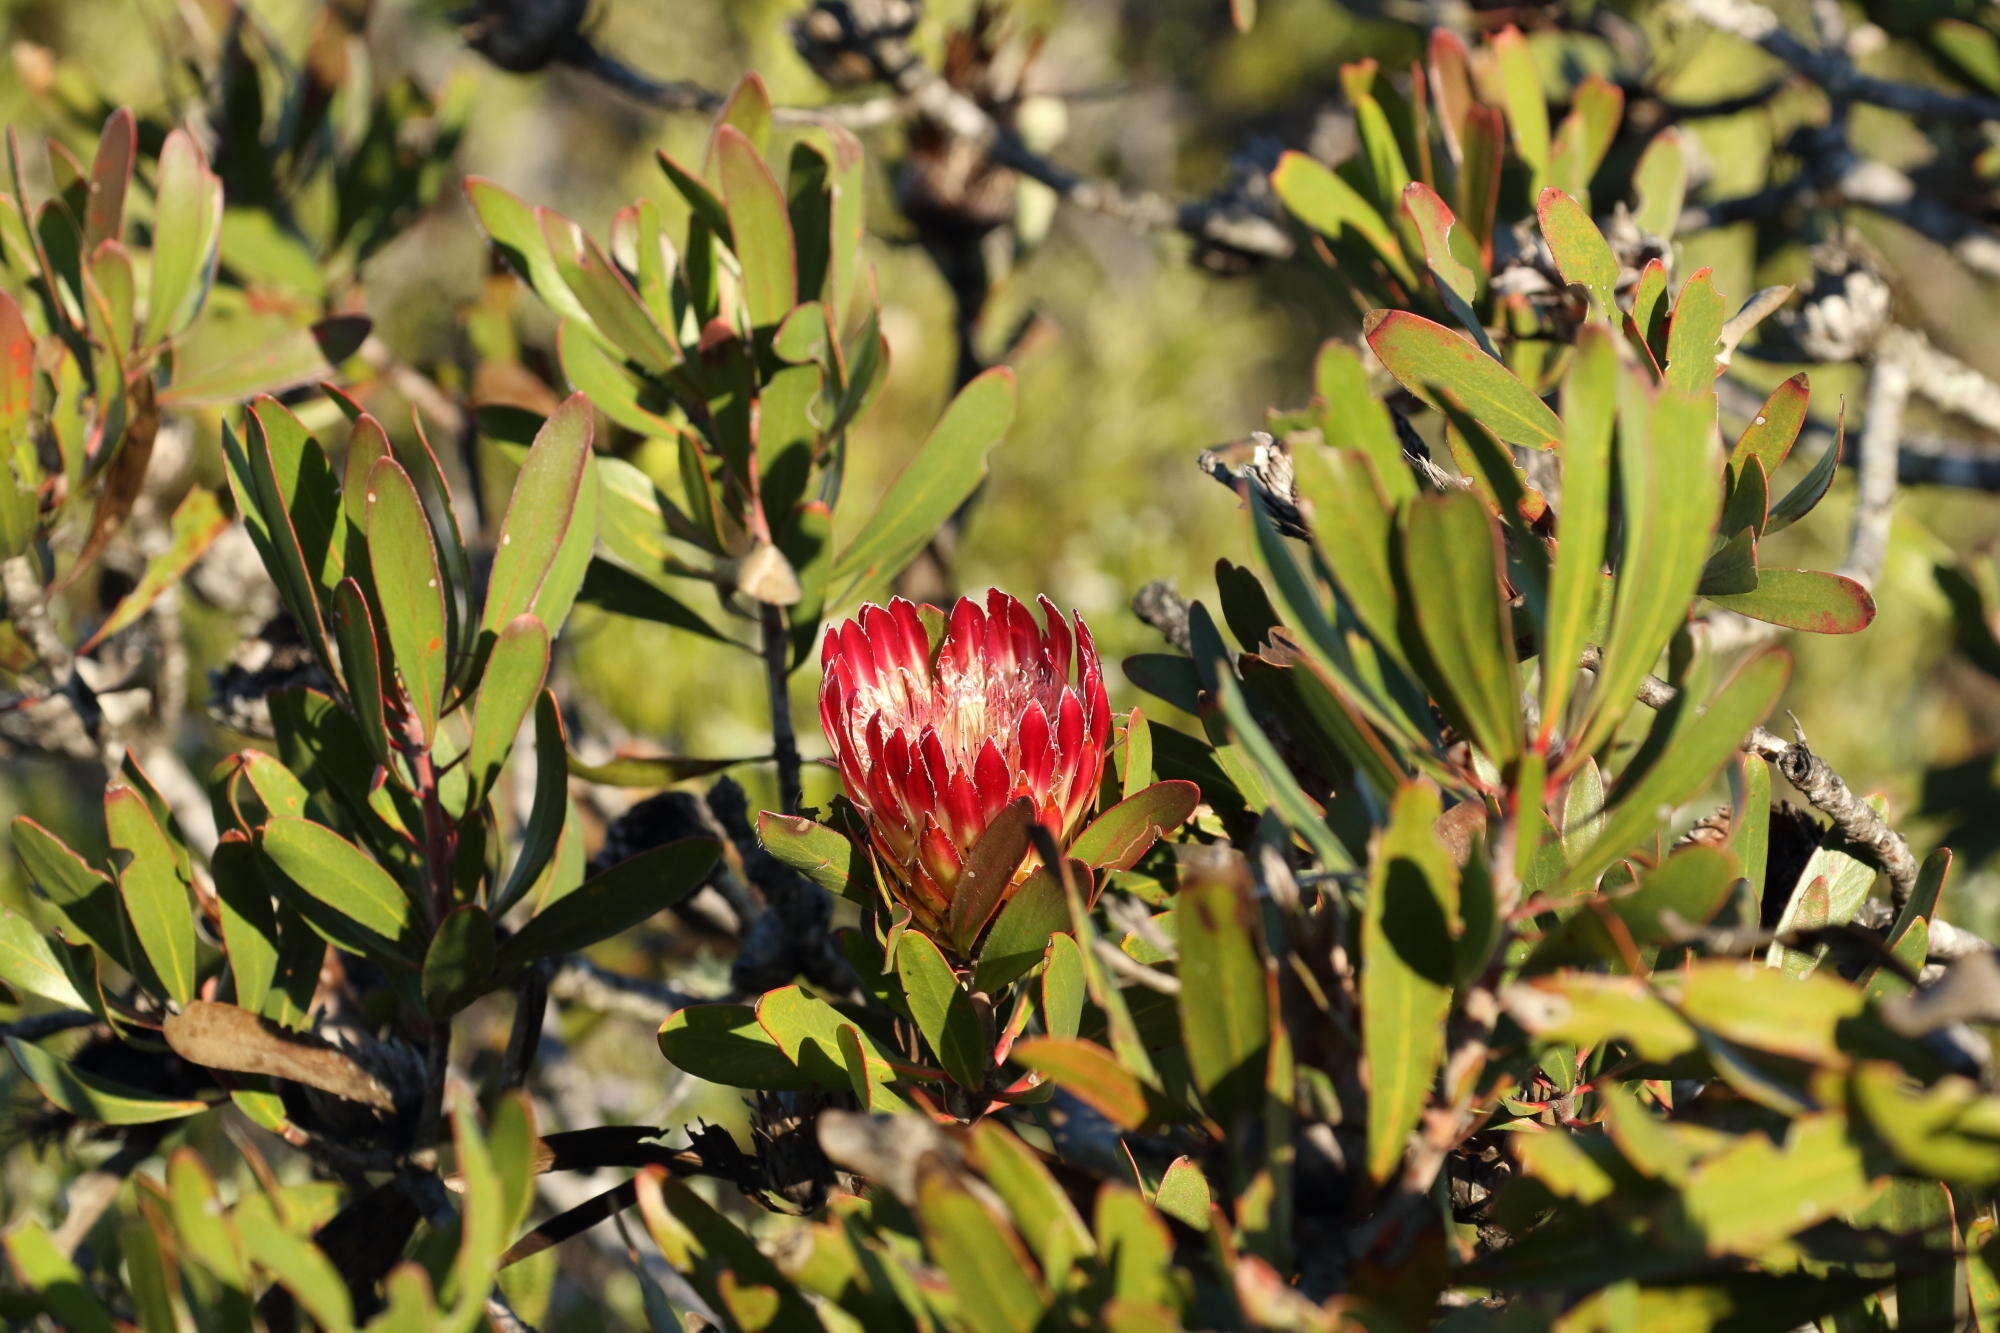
pixel 933 744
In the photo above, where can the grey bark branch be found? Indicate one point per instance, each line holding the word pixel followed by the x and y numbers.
pixel 1825 790
pixel 1875 489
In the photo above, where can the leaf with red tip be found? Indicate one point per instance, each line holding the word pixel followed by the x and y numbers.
pixel 761 226
pixel 1430 360
pixel 1804 599
pixel 1775 429
pixel 1127 831
pixel 1582 255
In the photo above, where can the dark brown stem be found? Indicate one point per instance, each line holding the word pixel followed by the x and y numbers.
pixel 784 740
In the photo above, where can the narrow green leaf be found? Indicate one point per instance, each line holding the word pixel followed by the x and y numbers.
pixel 1451 568
pixel 508 688
pixel 613 901
pixel 1406 970
pixel 403 563
pixel 942 1009
pixel 348 898
pixel 539 514
pixel 459 965
pixel 1428 359
pixel 1582 255
pixel 1322 200
pixel 944 471
pixel 93 1097
pixel 761 227
pixel 1225 1019
pixel 187 226
pixel 1775 429
pixel 155 894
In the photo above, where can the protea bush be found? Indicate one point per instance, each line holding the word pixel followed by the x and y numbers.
pixel 1428 925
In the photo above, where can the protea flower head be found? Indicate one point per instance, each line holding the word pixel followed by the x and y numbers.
pixel 934 742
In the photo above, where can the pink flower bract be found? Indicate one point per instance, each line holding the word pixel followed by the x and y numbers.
pixel 932 746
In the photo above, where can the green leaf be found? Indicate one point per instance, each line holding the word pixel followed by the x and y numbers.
pixel 723 1043
pixel 1048 1219
pixel 1701 742
pixel 936 481
pixel 1429 360
pixel 1582 255
pixel 513 228
pixel 1521 94
pixel 1577 573
pixel 459 965
pixel 1225 1018
pixel 1185 1196
pixel 1804 497
pixel 349 899
pixel 808 1030
pixel 361 666
pixel 942 1009
pixel 508 687
pixel 1694 335
pixel 1354 417
pixel 1804 599
pixel 987 872
pixel 60 1288
pixel 288 360
pixel 613 901
pixel 1756 1193
pixel 1445 250
pixel 156 896
pixel 1829 891
pixel 187 227
pixel 1021 933
pixel 1671 492
pixel 403 562
pixel 1660 182
pixel 1063 986
pixel 1407 957
pixel 548 811
pixel 28 963
pixel 615 313
pixel 92 1097
pixel 761 228
pixel 1775 429
pixel 819 853
pixel 1451 569
pixel 86 898
pixel 723 1263
pixel 1116 839
pixel 539 516
pixel 1092 1074
pixel 198 520
pixel 1322 200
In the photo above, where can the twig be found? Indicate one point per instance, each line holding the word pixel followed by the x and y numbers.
pixel 1833 71
pixel 1875 488
pixel 1125 965
pixel 578 981
pixel 1856 820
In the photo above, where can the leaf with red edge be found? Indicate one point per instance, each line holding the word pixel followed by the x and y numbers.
pixel 1092 1074
pixel 1436 228
pixel 1127 831
pixel 1775 429
pixel 761 226
pixel 1694 334
pixel 1582 255
pixel 1429 359
pixel 1804 599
